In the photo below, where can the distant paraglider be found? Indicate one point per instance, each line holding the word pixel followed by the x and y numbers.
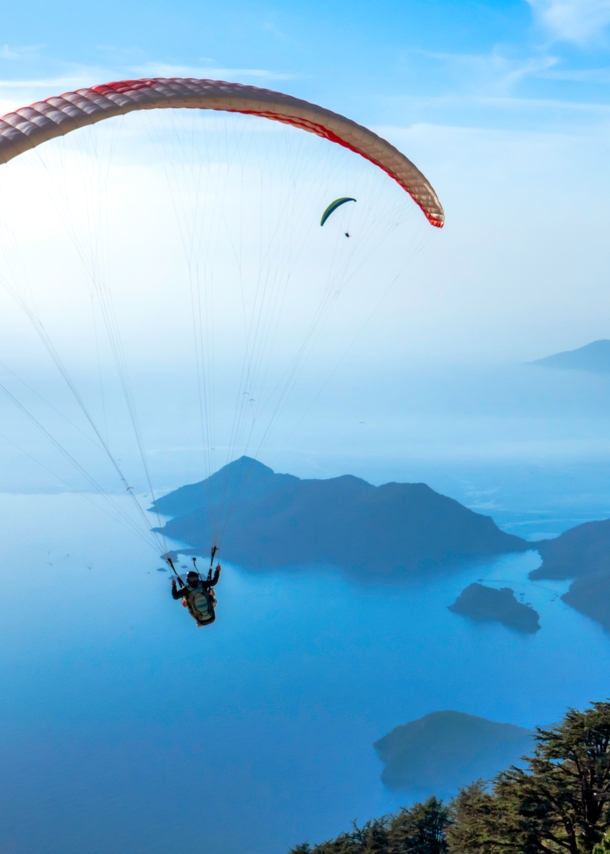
pixel 333 207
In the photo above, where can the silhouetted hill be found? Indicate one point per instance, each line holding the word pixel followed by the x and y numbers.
pixel 276 520
pixel 582 553
pixel 487 603
pixel 241 480
pixel 591 596
pixel 592 357
pixel 445 750
pixel 583 550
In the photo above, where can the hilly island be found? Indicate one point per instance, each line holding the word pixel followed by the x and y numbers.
pixel 444 750
pixel 486 603
pixel 274 520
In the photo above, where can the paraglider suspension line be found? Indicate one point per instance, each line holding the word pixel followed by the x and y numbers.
pixel 213 555
pixel 173 568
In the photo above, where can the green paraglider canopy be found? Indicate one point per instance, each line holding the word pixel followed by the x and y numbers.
pixel 333 207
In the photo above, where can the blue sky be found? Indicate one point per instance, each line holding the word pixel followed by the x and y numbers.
pixel 483 64
pixel 504 106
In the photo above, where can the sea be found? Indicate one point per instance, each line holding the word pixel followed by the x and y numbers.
pixel 124 728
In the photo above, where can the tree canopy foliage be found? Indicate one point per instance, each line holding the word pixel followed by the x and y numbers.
pixel 559 803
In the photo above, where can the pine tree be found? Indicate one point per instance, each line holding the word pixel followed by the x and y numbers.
pixel 470 813
pixel 562 801
pixel 420 829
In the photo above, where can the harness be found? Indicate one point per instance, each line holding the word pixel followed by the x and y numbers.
pixel 200 604
pixel 199 601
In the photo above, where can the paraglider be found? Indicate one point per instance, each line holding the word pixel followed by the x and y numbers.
pixel 198 597
pixel 333 207
pixel 197 594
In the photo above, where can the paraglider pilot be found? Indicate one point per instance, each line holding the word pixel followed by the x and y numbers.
pixel 198 596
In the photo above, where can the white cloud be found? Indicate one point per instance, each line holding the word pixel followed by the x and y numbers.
pixel 580 75
pixel 489 73
pixel 161 69
pixel 577 21
pixel 7 53
pixel 271 27
pixel 16 93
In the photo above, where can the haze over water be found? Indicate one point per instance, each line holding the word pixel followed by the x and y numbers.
pixel 117 713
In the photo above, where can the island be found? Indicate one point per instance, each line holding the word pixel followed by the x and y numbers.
pixel 444 750
pixel 594 357
pixel 487 603
pixel 274 520
pixel 581 553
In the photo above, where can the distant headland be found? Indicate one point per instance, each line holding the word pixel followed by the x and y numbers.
pixel 593 357
pixel 277 520
pixel 583 554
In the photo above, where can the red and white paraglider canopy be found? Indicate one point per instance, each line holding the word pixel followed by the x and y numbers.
pixel 30 126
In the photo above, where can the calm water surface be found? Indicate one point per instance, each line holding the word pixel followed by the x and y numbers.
pixel 125 729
